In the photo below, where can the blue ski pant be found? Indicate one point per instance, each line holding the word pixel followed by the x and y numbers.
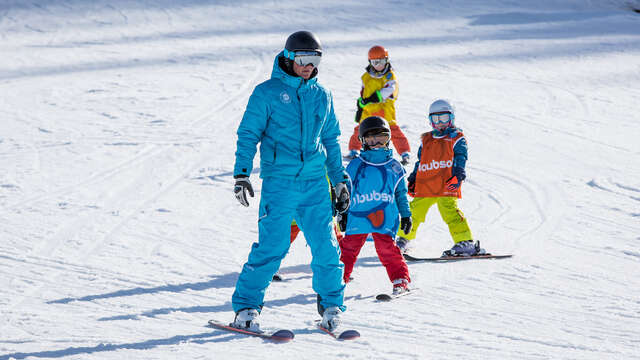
pixel 309 203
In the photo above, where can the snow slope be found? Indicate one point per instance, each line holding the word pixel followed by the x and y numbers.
pixel 120 238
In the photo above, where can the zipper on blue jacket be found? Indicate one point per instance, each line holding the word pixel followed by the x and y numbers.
pixel 301 125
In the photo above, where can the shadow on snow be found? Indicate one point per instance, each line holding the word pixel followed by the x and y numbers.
pixel 218 281
pixel 143 345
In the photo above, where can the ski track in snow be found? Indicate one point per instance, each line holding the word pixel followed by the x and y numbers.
pixel 120 236
pixel 88 249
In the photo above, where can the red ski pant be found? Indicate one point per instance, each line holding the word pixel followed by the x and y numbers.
pixel 398 139
pixel 388 253
pixel 295 230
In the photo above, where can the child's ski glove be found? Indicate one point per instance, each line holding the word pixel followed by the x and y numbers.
pixel 342 221
pixel 240 189
pixel 455 181
pixel 358 114
pixel 405 224
pixel 372 99
pixel 412 188
pixel 342 197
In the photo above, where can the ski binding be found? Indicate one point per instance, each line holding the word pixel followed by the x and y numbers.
pixel 344 335
pixel 389 297
pixel 282 335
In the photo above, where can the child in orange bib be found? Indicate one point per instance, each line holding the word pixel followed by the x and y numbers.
pixel 437 178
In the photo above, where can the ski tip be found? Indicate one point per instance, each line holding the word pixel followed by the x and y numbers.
pixel 215 323
pixel 349 335
pixel 407 256
pixel 383 297
pixel 282 335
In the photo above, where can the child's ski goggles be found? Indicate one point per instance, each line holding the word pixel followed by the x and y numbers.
pixel 378 62
pixel 304 58
pixel 381 138
pixel 441 118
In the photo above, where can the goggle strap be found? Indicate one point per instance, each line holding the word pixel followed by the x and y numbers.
pixel 289 54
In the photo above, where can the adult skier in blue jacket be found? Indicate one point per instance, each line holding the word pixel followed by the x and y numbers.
pixel 292 118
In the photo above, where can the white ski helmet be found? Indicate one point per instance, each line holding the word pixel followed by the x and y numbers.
pixel 441 106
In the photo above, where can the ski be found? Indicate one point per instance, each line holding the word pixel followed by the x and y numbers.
pixel 282 335
pixel 454 258
pixel 344 335
pixel 389 297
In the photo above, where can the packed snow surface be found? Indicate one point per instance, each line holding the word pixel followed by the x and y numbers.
pixel 120 237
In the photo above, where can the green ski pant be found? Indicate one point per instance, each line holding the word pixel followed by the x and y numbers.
pixel 449 211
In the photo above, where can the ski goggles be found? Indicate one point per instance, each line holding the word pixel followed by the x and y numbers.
pixel 441 118
pixel 378 62
pixel 304 58
pixel 381 138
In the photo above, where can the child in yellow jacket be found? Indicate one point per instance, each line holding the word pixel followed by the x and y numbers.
pixel 377 98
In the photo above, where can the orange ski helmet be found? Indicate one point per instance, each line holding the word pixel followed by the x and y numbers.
pixel 378 52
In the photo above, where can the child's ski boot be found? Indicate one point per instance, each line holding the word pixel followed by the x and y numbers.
pixel 464 248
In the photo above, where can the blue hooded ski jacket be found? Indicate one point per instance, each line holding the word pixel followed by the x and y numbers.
pixel 378 193
pixel 294 121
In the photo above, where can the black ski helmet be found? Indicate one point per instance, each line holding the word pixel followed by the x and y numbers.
pixel 374 124
pixel 303 40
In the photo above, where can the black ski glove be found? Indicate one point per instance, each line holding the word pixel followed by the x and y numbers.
pixel 343 198
pixel 405 224
pixel 342 221
pixel 411 186
pixel 240 189
pixel 333 201
pixel 358 115
pixel 371 99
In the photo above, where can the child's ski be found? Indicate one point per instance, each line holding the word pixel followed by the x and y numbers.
pixel 454 258
pixel 389 297
pixel 344 335
pixel 278 335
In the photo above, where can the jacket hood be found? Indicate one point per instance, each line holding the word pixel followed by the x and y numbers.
pixel 377 156
pixel 378 74
pixel 450 131
pixel 294 81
